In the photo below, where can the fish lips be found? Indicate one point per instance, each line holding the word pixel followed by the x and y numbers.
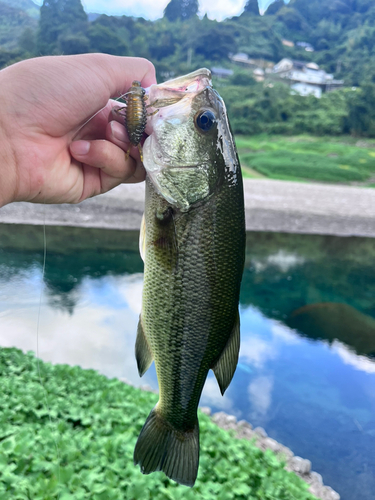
pixel 193 82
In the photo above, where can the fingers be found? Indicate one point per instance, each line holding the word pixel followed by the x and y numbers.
pixel 61 93
pixel 105 166
pixel 123 70
pixel 118 114
pixel 117 134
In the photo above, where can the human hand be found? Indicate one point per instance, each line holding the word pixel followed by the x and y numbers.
pixel 48 153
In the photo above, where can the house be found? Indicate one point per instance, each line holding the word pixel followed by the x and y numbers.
pixel 258 67
pixel 287 43
pixel 305 78
pixel 307 46
pixel 221 72
pixel 245 61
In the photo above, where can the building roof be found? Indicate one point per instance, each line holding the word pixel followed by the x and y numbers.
pixel 221 71
pixel 304 72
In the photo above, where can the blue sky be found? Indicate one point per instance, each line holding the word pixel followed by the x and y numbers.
pixel 153 9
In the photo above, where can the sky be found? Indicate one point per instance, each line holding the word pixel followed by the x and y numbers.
pixel 153 9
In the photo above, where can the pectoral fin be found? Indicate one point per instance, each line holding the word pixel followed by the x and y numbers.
pixel 226 365
pixel 142 238
pixel 143 352
pixel 165 239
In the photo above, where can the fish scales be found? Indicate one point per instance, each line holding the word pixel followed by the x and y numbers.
pixel 193 248
pixel 204 291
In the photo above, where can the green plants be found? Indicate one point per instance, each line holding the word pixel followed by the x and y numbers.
pixel 69 433
pixel 327 159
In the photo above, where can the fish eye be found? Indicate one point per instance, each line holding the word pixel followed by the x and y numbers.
pixel 205 120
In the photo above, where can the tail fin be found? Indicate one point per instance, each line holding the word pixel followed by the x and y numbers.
pixel 161 447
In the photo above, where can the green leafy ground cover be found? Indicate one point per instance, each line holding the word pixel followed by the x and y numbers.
pixel 337 160
pixel 69 434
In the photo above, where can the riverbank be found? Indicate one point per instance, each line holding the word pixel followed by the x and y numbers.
pixel 70 432
pixel 244 430
pixel 298 465
pixel 271 205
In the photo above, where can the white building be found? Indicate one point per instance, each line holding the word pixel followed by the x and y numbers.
pixel 305 78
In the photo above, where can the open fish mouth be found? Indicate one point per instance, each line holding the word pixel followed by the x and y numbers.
pixel 193 82
pixel 171 92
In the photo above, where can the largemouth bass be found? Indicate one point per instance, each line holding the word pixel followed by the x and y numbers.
pixel 192 243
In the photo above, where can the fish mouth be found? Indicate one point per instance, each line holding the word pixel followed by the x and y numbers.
pixel 178 88
pixel 193 82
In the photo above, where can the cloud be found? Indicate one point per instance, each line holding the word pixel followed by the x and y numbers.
pixel 130 288
pixel 220 9
pixel 282 332
pixel 350 358
pixel 153 9
pixel 211 395
pixel 256 351
pixel 284 261
pixel 260 394
pixel 100 334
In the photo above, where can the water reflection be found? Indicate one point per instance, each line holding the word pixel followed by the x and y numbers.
pixel 307 306
pixel 330 320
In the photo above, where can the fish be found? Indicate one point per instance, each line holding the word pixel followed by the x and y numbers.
pixel 192 241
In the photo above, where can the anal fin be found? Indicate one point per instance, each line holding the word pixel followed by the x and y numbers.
pixel 226 365
pixel 143 352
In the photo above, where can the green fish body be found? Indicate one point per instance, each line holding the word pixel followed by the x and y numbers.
pixel 192 242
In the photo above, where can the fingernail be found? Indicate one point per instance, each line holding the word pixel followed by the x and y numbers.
pixel 80 147
pixel 118 131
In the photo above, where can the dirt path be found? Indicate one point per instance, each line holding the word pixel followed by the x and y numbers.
pixel 271 205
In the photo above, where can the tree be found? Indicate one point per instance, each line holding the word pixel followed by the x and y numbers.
pixel 275 7
pixel 73 44
pixel 26 41
pixel 103 39
pixel 181 9
pixel 213 40
pixel 59 18
pixel 252 7
pixel 361 120
pixel 292 19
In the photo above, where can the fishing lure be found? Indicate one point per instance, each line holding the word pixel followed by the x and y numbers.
pixel 135 114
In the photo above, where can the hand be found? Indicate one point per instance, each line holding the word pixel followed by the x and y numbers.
pixel 48 153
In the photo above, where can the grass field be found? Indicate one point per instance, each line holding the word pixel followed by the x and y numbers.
pixel 344 159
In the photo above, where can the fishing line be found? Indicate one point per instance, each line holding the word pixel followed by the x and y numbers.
pixel 101 109
pixel 37 340
pixel 40 304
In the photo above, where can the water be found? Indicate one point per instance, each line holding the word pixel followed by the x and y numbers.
pixel 307 365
